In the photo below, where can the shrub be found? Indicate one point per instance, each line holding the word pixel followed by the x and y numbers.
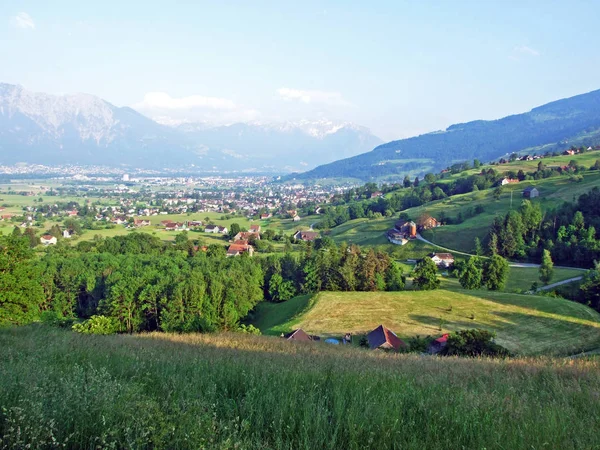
pixel 475 342
pixel 248 329
pixel 97 325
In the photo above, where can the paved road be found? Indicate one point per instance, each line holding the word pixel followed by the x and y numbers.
pixel 558 283
pixel 312 225
pixel 511 264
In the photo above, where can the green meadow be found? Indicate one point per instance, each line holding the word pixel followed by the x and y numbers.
pixel 223 391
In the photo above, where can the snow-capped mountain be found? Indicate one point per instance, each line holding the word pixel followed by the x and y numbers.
pixel 83 129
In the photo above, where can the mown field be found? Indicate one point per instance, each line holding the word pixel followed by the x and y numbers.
pixel 162 391
pixel 525 324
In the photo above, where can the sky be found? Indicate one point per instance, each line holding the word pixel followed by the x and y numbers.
pixel 400 68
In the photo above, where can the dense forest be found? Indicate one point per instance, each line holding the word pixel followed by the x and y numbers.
pixel 141 283
pixel 568 232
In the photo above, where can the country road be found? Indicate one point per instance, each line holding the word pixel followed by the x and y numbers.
pixel 511 264
pixel 558 283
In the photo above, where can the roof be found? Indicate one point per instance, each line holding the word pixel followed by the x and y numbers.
pixel 298 335
pixel 384 337
pixel 254 227
pixel 529 189
pixel 308 235
pixel 442 255
pixel 48 237
pixel 442 339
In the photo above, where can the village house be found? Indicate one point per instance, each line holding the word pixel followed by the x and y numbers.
pixel 296 218
pixel 195 223
pixel 246 235
pixel 306 235
pixel 531 192
pixel 254 228
pixel 141 223
pixel 442 259
pixel 67 234
pixel 384 338
pixel 266 216
pixel 376 194
pixel 48 239
pixel 237 248
pixel 506 181
pixel 211 229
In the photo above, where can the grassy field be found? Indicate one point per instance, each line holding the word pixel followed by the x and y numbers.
pixel 525 324
pixel 162 391
pixel 461 237
pixel 521 278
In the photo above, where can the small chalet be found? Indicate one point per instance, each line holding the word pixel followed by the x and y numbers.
pixel 442 259
pixel 222 230
pixel 306 235
pixel 48 239
pixel 300 335
pixel 437 345
pixel 427 222
pixel 237 248
pixel 506 181
pixel 384 338
pixel 531 192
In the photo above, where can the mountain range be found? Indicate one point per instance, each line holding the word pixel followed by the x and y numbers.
pixel 84 129
pixel 554 126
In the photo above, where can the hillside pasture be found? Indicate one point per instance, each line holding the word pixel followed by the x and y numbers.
pixel 525 324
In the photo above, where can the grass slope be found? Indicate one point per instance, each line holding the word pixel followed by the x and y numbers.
pixel 525 324
pixel 235 391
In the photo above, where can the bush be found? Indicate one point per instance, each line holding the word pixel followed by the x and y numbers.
pixel 475 342
pixel 248 329
pixel 97 325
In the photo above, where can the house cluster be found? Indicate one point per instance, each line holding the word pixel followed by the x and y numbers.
pixel 405 230
pixel 381 338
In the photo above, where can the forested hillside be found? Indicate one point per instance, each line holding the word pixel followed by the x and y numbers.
pixel 558 124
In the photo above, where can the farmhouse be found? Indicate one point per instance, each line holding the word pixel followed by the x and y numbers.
pixel 396 237
pixel 437 345
pixel 442 259
pixel 407 228
pixel 195 223
pixel 254 228
pixel 384 338
pixel 306 235
pixel 506 181
pixel 531 192
pixel 266 216
pixel 67 234
pixel 48 239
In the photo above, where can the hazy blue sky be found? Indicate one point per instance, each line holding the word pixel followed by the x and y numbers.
pixel 400 67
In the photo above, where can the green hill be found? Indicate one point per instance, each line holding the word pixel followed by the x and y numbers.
pixel 525 324
pixel 550 127
pixel 226 391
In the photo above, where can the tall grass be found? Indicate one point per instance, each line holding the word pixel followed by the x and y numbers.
pixel 60 389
